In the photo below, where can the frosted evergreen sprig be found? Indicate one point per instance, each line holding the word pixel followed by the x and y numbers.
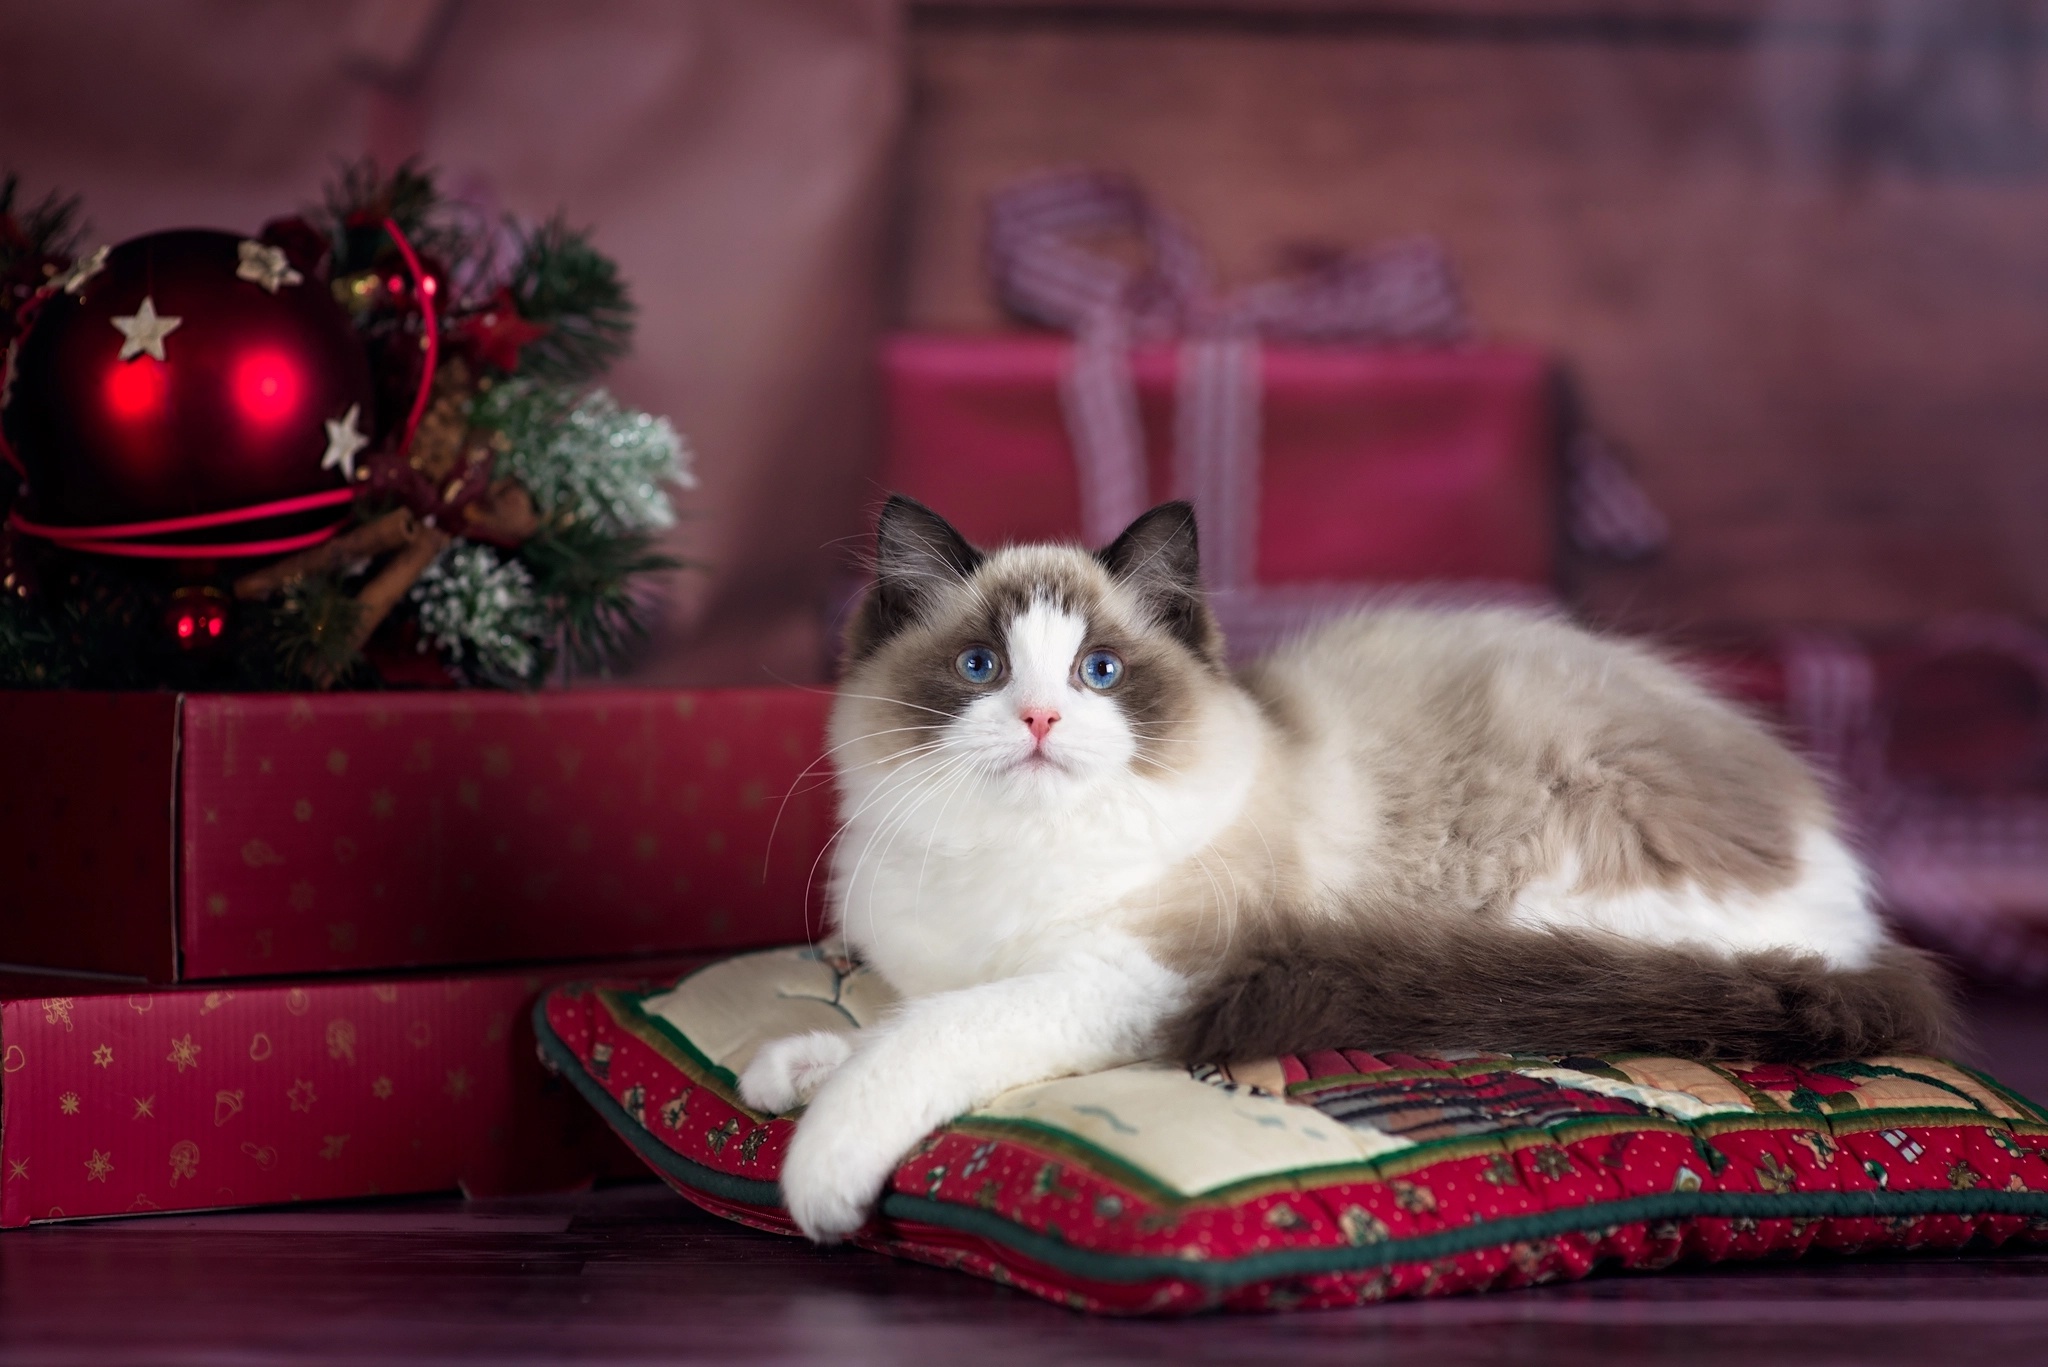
pixel 483 612
pixel 586 459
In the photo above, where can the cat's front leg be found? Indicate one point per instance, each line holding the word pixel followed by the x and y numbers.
pixel 943 1055
pixel 786 1073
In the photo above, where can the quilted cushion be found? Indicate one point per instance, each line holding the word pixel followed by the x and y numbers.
pixel 1333 1178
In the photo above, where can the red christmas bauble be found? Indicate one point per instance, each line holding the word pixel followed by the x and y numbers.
pixel 192 372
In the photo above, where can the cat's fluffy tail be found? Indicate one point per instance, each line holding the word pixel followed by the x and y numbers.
pixel 1425 990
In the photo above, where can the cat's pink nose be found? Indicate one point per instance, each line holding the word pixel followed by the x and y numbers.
pixel 1040 720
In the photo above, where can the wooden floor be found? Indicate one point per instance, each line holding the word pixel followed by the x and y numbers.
pixel 633 1274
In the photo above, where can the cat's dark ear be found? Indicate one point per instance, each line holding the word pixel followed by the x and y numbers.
pixel 918 555
pixel 1158 558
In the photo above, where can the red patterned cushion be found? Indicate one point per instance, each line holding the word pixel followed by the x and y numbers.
pixel 1334 1178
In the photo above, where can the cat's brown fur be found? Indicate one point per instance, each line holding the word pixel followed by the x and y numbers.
pixel 1425 988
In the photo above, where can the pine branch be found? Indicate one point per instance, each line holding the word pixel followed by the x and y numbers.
pixel 362 196
pixel 564 282
pixel 49 228
pixel 87 627
pixel 31 651
pixel 309 635
pixel 36 242
pixel 585 579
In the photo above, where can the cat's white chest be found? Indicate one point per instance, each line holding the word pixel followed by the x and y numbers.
pixel 959 897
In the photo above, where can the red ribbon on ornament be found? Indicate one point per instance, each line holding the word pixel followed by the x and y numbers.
pixel 423 286
pixel 114 538
pixel 109 539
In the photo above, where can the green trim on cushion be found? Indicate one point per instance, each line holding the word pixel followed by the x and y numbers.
pixel 1229 1274
pixel 637 1020
pixel 2037 1115
pixel 723 1185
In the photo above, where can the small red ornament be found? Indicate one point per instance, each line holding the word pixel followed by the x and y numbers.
pixel 191 374
pixel 197 618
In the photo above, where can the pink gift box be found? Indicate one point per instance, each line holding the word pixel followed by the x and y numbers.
pixel 1376 465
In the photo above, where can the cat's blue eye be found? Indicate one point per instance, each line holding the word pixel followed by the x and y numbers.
pixel 1101 669
pixel 977 664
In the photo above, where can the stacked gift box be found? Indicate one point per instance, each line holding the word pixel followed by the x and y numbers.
pixel 282 947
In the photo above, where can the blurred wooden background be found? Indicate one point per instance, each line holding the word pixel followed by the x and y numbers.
pixel 1794 253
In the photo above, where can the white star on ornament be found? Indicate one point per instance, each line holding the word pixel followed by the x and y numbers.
pixel 145 331
pixel 85 269
pixel 343 441
pixel 265 265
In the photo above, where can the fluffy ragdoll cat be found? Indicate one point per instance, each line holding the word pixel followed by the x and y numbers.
pixel 1073 839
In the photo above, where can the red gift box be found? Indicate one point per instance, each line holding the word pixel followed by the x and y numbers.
pixel 170 838
pixel 190 1098
pixel 1376 464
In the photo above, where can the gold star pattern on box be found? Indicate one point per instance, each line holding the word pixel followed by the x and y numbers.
pixel 103 1056
pixel 145 1107
pixel 68 1103
pixel 265 265
pixel 98 1166
pixel 344 440
pixel 144 330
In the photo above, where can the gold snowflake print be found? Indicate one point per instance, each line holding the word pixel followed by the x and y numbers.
pixel 98 1166
pixel 145 1107
pixel 301 1095
pixel 17 1167
pixel 381 1089
pixel 103 1056
pixel 457 1085
pixel 68 1103
pixel 184 1053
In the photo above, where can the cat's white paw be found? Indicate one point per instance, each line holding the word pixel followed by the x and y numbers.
pixel 833 1174
pixel 787 1073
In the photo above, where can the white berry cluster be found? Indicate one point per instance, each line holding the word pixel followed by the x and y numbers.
pixel 478 607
